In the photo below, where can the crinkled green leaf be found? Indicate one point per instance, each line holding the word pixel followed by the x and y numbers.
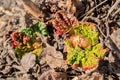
pixel 86 30
pixel 20 51
pixel 28 31
pixel 27 40
pixel 39 27
pixel 89 57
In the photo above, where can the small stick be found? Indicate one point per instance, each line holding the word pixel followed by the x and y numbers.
pixel 87 13
pixel 112 8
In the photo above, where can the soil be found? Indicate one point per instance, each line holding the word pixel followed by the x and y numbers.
pixel 51 64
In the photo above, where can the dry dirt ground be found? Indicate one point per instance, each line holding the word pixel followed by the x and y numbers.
pixel 16 14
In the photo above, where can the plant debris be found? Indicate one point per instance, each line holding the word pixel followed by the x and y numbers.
pixel 83 47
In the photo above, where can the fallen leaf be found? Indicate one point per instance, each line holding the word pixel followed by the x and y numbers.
pixel 33 9
pixel 28 61
pixel 55 58
pixel 115 36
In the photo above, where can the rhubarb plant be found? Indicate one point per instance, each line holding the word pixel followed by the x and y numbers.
pixel 63 22
pixel 27 40
pixel 83 47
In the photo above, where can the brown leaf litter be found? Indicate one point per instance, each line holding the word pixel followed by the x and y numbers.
pixel 16 14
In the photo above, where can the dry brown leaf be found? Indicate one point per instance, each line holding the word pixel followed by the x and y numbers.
pixel 28 61
pixel 55 58
pixel 115 36
pixel 33 9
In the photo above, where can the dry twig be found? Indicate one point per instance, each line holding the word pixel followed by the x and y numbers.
pixel 90 11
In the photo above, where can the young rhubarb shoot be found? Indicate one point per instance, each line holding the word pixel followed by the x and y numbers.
pixel 63 22
pixel 25 40
pixel 83 47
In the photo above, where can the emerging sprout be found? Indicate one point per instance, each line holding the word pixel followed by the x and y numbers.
pixel 88 30
pixel 63 22
pixel 79 40
pixel 83 47
pixel 26 40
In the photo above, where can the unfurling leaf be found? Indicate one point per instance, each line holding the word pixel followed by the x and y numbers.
pixel 26 40
pixel 83 47
pixel 88 30
pixel 79 40
pixel 63 22
pixel 39 27
pixel 87 59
